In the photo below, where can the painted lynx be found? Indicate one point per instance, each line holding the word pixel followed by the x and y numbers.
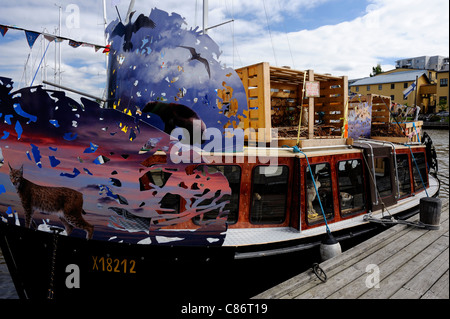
pixel 65 202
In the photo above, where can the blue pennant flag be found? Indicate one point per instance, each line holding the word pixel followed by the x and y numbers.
pixel 31 37
pixel 3 30
pixel 409 90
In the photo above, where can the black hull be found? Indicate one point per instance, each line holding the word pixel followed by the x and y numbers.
pixel 114 270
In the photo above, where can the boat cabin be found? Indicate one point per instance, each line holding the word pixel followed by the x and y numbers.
pixel 350 180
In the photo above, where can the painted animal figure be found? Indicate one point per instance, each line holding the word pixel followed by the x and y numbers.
pixel 65 202
pixel 311 196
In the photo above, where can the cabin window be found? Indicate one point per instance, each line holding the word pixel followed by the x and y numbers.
pixel 383 176
pixel 422 164
pixel 404 180
pixel 269 194
pixel 351 186
pixel 158 177
pixel 322 180
pixel 233 175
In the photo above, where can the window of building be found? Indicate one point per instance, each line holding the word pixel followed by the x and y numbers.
pixel 383 176
pixel 419 159
pixel 269 194
pixel 392 86
pixel 357 89
pixel 443 82
pixel 405 85
pixel 442 100
pixel 231 209
pixel 380 87
pixel 404 180
pixel 322 179
pixel 351 186
pixel 368 88
pixel 392 97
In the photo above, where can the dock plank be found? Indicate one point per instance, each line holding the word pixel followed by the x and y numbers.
pixel 440 290
pixel 425 279
pixel 409 263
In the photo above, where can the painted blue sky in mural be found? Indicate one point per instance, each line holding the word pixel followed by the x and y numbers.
pixel 157 67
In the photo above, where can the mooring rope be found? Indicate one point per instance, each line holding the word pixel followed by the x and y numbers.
pixel 418 170
pixel 297 150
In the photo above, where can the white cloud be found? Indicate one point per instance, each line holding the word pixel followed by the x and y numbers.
pixel 386 31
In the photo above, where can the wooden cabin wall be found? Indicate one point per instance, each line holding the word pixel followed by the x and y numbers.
pixel 332 101
pixel 256 81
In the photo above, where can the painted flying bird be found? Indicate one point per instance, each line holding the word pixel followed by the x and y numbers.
pixel 129 28
pixel 196 56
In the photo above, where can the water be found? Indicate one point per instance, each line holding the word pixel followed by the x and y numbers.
pixel 440 140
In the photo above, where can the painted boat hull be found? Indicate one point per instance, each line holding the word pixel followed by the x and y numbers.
pixel 84 268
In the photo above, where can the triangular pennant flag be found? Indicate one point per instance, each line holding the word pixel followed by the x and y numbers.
pixel 49 38
pixel 31 37
pixel 59 39
pixel 74 44
pixel 3 30
pixel 96 47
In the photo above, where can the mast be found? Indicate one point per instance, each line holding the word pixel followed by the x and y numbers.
pixel 59 47
pixel 205 16
pixel 105 25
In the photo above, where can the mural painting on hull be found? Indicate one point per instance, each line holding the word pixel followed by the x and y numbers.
pixel 172 75
pixel 55 144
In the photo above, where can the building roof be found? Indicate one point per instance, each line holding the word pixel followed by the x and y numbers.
pixel 405 76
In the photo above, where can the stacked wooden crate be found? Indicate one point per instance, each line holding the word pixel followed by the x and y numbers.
pixel 275 100
pixel 384 127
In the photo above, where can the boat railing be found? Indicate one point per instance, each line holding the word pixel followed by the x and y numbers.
pixel 392 145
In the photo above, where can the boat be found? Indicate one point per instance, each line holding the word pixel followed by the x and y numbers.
pixel 179 185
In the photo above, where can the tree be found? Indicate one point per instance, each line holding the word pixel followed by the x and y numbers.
pixel 376 70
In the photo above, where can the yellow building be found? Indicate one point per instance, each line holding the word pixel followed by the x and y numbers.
pixel 395 82
pixel 442 89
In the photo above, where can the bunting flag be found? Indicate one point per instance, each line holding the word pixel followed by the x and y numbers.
pixel 3 30
pixel 49 38
pixel 31 37
pixel 74 44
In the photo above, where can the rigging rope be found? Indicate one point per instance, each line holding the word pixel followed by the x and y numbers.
pixel 270 33
pixel 37 70
pixel 287 38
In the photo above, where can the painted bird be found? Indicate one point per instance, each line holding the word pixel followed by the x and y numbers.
pixel 196 56
pixel 129 28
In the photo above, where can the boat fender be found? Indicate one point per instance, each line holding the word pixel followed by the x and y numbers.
pixel 329 247
pixel 430 212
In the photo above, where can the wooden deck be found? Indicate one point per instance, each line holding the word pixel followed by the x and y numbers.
pixel 403 262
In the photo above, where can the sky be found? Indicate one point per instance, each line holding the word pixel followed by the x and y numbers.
pixel 339 37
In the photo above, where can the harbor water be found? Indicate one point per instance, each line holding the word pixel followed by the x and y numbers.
pixel 440 140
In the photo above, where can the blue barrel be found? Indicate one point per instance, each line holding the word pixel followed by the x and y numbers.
pixel 430 212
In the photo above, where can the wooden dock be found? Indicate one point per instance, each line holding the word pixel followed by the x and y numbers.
pixel 403 262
